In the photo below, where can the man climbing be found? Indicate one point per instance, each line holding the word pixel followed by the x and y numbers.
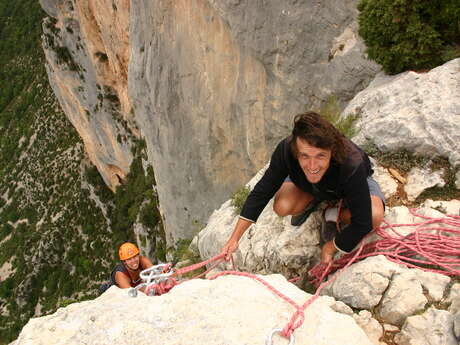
pixel 317 163
pixel 126 274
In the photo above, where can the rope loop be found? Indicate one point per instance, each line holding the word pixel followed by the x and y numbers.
pixel 427 246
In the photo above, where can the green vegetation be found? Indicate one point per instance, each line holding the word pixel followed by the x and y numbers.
pixel 449 191
pixel 410 34
pixel 346 125
pixel 239 198
pixel 402 159
pixel 134 201
pixel 182 252
pixel 56 240
pixel 405 161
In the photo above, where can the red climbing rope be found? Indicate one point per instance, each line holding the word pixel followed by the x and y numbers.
pixel 169 283
pixel 429 247
pixel 425 247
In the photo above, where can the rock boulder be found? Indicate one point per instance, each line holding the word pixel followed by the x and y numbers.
pixel 228 310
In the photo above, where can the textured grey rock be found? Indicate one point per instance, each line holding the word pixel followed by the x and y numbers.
pixel 215 84
pixel 434 284
pixel 363 284
pixel 447 207
pixel 454 299
pixel 341 307
pixel 416 111
pixel 433 327
pixel 397 291
pixel 370 326
pixel 270 245
pixel 420 179
pixel 403 298
pixel 51 7
pixel 85 68
pixel 457 181
pixel 457 325
pixel 228 310
pixel 387 183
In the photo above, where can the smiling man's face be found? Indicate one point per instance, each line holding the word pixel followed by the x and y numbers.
pixel 314 161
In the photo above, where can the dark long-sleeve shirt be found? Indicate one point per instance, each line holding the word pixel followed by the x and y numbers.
pixel 347 181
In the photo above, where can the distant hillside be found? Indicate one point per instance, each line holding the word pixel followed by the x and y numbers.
pixel 58 232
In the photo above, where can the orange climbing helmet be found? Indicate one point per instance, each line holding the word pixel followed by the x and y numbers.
pixel 127 250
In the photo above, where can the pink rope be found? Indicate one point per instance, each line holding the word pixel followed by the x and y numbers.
pixel 168 284
pixel 421 247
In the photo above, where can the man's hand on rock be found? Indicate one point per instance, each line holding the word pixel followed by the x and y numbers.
pixel 229 248
pixel 327 252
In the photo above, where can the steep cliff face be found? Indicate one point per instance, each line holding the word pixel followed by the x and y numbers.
pixel 213 85
pixel 86 44
pixel 60 225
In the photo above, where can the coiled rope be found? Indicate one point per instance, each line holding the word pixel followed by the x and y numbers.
pixel 429 247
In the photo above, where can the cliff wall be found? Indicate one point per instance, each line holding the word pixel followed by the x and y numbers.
pixel 86 44
pixel 213 86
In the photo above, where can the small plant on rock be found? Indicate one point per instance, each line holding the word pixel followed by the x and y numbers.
pixel 239 198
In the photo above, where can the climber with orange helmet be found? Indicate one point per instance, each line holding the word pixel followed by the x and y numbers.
pixel 126 274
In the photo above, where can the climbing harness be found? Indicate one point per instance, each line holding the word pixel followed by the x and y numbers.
pixel 428 245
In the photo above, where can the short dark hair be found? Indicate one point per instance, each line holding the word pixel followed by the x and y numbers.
pixel 318 132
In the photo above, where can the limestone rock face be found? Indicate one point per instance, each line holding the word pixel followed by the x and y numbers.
pixel 392 291
pixel 419 112
pixel 403 297
pixel 420 179
pixel 364 283
pixel 371 326
pixel 273 245
pixel 270 245
pixel 86 44
pixel 433 327
pixel 214 85
pixel 228 310
pixel 386 182
pixel 454 298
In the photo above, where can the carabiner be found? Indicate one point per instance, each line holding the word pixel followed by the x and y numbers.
pixel 152 275
pixel 157 273
pixel 278 330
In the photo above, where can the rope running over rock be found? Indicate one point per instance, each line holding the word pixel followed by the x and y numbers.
pixel 429 247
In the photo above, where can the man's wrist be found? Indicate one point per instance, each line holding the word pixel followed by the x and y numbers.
pixel 337 248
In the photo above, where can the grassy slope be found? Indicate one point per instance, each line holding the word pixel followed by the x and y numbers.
pixel 54 239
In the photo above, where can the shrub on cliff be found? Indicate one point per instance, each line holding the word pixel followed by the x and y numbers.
pixel 410 34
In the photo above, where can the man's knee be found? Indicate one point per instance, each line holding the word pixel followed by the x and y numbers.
pixel 281 208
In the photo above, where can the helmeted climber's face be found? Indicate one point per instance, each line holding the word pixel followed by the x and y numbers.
pixel 132 263
pixel 314 161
